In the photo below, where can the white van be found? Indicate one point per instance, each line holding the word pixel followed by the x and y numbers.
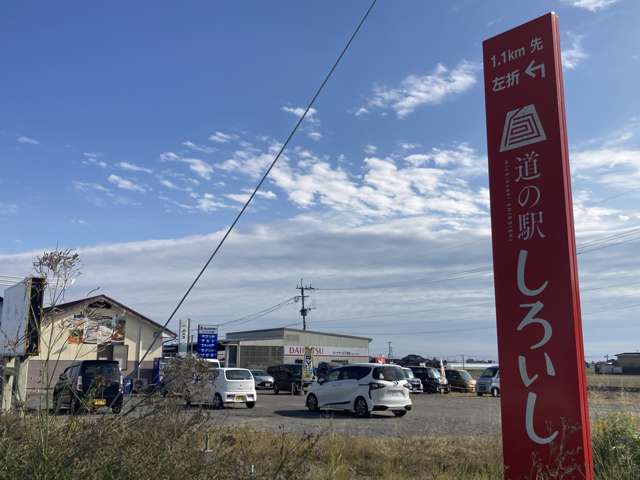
pixel 228 386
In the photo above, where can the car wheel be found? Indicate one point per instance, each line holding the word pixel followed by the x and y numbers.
pixel 276 390
pixel 399 413
pixel 217 402
pixel 116 409
pixel 312 403
pixel 296 389
pixel 495 392
pixel 479 394
pixel 251 404
pixel 361 408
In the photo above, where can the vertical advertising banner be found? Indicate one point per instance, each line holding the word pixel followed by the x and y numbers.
pixel 542 372
pixel 307 368
pixel 183 337
pixel 208 341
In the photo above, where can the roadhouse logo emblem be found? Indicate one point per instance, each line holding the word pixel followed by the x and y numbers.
pixel 522 127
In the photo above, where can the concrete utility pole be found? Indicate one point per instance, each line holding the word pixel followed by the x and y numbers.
pixel 390 353
pixel 302 296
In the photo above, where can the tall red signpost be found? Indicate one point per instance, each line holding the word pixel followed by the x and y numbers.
pixel 545 421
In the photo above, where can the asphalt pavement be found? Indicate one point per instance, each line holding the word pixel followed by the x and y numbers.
pixel 454 414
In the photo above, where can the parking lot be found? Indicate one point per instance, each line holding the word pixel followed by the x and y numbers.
pixel 433 415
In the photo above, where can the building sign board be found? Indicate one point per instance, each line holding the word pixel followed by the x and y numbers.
pixel 299 351
pixel 542 374
pixel 207 341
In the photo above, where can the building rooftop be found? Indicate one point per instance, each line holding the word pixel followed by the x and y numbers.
pixel 278 332
pixel 63 306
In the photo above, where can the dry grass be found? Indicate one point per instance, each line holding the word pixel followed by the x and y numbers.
pixel 174 444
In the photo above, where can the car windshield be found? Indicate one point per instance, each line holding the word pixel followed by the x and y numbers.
pixel 237 374
pixel 408 373
pixel 433 373
pixel 490 372
pixel 389 373
pixel 464 374
pixel 258 373
pixel 109 371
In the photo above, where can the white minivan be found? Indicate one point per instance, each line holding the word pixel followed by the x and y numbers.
pixel 228 386
pixel 361 388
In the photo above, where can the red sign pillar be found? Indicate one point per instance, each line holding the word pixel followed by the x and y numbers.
pixel 545 420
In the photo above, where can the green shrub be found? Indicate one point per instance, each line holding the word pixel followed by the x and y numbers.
pixel 616 447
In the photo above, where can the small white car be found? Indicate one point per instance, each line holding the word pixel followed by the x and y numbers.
pixel 361 388
pixel 228 386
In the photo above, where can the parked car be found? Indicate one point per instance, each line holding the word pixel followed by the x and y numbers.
pixel 415 383
pixel 288 377
pixel 460 380
pixel 89 384
pixel 489 382
pixel 432 381
pixel 263 380
pixel 361 388
pixel 225 386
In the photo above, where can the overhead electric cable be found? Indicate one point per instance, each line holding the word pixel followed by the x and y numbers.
pixel 262 180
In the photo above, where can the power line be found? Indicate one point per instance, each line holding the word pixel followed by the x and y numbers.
pixel 264 177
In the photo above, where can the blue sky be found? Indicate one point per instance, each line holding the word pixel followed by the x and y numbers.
pixel 133 131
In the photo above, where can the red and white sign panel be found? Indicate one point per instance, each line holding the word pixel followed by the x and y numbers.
pixel 543 380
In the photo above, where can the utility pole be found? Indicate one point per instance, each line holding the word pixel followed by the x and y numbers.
pixel 390 353
pixel 304 310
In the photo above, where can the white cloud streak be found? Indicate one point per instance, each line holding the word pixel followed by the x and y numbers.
pixel 416 91
pixel 125 184
pixel 573 56
pixel 132 167
pixel 591 5
pixel 27 140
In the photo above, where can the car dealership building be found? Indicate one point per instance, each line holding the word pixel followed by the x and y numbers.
pixel 261 348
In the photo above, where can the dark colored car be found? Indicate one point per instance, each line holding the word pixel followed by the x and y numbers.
pixel 432 381
pixel 87 385
pixel 288 377
pixel 460 380
pixel 323 368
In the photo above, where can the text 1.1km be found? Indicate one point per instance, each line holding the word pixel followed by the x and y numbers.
pixel 507 56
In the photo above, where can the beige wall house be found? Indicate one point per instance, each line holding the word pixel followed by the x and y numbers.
pixel 94 328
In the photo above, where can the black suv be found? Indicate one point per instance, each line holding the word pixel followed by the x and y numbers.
pixel 432 381
pixel 288 377
pixel 87 385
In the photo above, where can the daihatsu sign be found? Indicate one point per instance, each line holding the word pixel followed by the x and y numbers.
pixel 543 382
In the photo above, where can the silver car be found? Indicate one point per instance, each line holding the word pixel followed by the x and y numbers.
pixel 489 382
pixel 263 380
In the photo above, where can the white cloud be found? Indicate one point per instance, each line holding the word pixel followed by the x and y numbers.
pixel 361 111
pixel 93 158
pixel 299 111
pixel 419 90
pixel 370 149
pixel 200 167
pixel 125 184
pixel 8 208
pixel 133 167
pixel 243 197
pixel 207 203
pixel 573 56
pixel 199 148
pixel 88 186
pixel 591 5
pixel 220 137
pixel 169 184
pixel 27 140
pixel 311 124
